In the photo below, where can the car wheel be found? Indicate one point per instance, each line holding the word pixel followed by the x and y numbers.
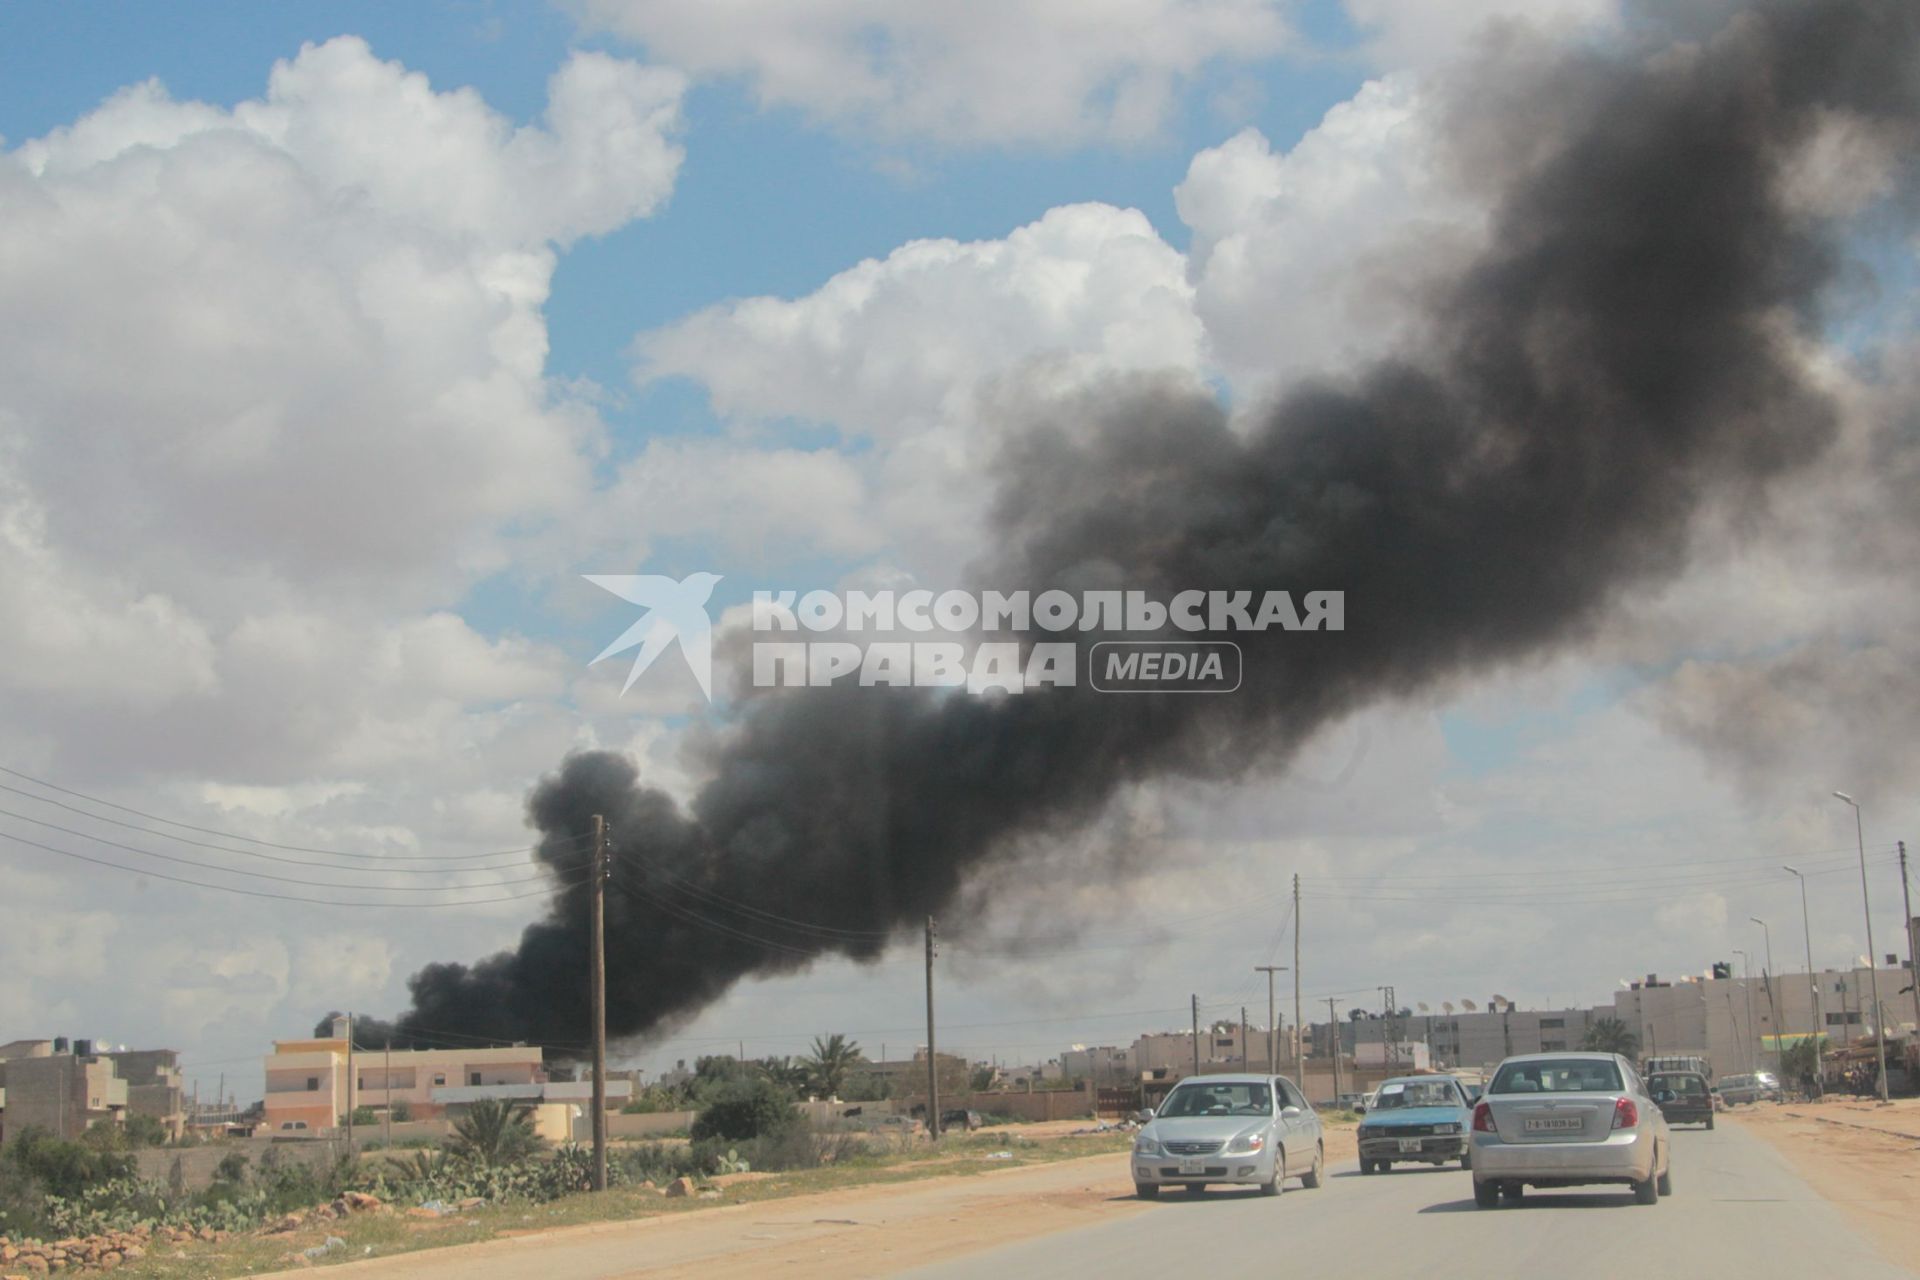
pixel 1366 1166
pixel 1146 1190
pixel 1647 1192
pixel 1271 1187
pixel 1466 1159
pixel 1311 1178
pixel 1664 1183
pixel 1486 1194
pixel 1709 1122
pixel 1513 1192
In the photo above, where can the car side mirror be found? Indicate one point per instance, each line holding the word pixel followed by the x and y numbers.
pixel 1288 1113
pixel 1359 1108
pixel 1143 1115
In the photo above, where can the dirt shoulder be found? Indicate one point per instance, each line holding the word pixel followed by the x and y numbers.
pixel 1863 1157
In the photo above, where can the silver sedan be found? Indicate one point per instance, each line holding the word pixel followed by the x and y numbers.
pixel 1566 1120
pixel 1254 1131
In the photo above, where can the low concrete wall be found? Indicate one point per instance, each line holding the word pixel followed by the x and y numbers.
pixel 638 1125
pixel 192 1168
pixel 1051 1104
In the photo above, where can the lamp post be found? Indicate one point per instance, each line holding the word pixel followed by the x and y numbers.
pixel 1813 982
pixel 1748 1058
pixel 1766 976
pixel 1873 969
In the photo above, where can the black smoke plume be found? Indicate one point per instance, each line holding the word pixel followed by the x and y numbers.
pixel 1630 347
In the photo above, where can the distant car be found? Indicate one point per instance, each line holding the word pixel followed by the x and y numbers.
pixel 1568 1120
pixel 1757 1086
pixel 1683 1097
pixel 960 1119
pixel 1249 1130
pixel 1349 1101
pixel 1415 1119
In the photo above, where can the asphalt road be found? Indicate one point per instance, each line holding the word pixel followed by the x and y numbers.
pixel 1738 1210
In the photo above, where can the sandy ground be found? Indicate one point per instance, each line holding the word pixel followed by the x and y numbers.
pixel 1862 1156
pixel 860 1231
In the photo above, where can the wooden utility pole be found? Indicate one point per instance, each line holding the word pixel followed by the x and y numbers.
pixel 1906 902
pixel 1333 1031
pixel 349 1082
pixel 1273 1027
pixel 1243 1038
pixel 1196 1034
pixel 386 1118
pixel 597 996
pixel 1299 1067
pixel 933 1063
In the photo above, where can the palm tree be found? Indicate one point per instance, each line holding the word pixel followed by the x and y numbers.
pixel 494 1131
pixel 832 1058
pixel 1610 1035
pixel 788 1073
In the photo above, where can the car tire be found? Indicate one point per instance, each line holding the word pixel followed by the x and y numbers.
pixel 1466 1159
pixel 1486 1194
pixel 1664 1183
pixel 1272 1186
pixel 1146 1190
pixel 1513 1193
pixel 1709 1122
pixel 1311 1178
pixel 1647 1192
pixel 1366 1166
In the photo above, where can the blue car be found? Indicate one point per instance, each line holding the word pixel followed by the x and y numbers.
pixel 1416 1119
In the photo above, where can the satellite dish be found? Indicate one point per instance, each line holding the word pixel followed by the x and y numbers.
pixel 1469 1005
pixel 1865 962
pixel 1422 1007
pixel 1499 1002
pixel 1446 1006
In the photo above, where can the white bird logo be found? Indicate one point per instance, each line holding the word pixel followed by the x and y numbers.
pixel 674 611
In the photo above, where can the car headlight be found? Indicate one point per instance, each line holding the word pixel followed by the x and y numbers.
pixel 1446 1128
pixel 1146 1145
pixel 1247 1143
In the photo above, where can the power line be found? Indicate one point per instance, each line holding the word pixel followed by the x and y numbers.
pixel 281 897
pixel 244 839
pixel 220 848
pixel 266 875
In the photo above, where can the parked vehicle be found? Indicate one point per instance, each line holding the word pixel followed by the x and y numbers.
pixel 960 1118
pixel 1757 1086
pixel 1566 1120
pixel 1244 1130
pixel 1416 1119
pixel 1684 1097
pixel 1660 1064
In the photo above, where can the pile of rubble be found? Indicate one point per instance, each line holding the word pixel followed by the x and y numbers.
pixel 103 1252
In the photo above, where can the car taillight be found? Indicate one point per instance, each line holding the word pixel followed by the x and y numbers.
pixel 1482 1118
pixel 1625 1114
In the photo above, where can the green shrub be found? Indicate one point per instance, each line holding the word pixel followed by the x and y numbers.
pixel 365 1116
pixel 744 1109
pixel 401 1112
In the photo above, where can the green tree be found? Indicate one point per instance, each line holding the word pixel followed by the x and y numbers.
pixel 494 1131
pixel 401 1112
pixel 833 1057
pixel 982 1079
pixel 794 1074
pixel 745 1109
pixel 1799 1059
pixel 1610 1035
pixel 145 1131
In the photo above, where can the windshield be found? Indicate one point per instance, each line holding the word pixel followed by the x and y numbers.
pixel 1687 1086
pixel 1218 1100
pixel 1415 1093
pixel 1576 1075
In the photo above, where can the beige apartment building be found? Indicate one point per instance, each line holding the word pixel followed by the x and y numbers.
pixel 308 1084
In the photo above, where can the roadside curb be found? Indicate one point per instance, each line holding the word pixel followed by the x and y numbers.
pixel 1854 1124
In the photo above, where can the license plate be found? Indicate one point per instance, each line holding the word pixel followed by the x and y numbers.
pixel 1193 1166
pixel 1552 1124
pixel 1409 1144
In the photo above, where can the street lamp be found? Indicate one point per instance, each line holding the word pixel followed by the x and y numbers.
pixel 1766 975
pixel 1813 981
pixel 1873 970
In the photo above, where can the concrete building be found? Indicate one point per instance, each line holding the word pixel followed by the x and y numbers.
pixel 154 1086
pixel 308 1086
pixel 1734 1021
pixel 1464 1040
pixel 56 1091
pixel 1101 1064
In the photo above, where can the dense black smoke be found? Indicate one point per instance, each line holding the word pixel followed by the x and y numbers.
pixel 1629 347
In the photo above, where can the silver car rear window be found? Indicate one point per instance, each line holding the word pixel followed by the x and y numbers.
pixel 1576 1075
